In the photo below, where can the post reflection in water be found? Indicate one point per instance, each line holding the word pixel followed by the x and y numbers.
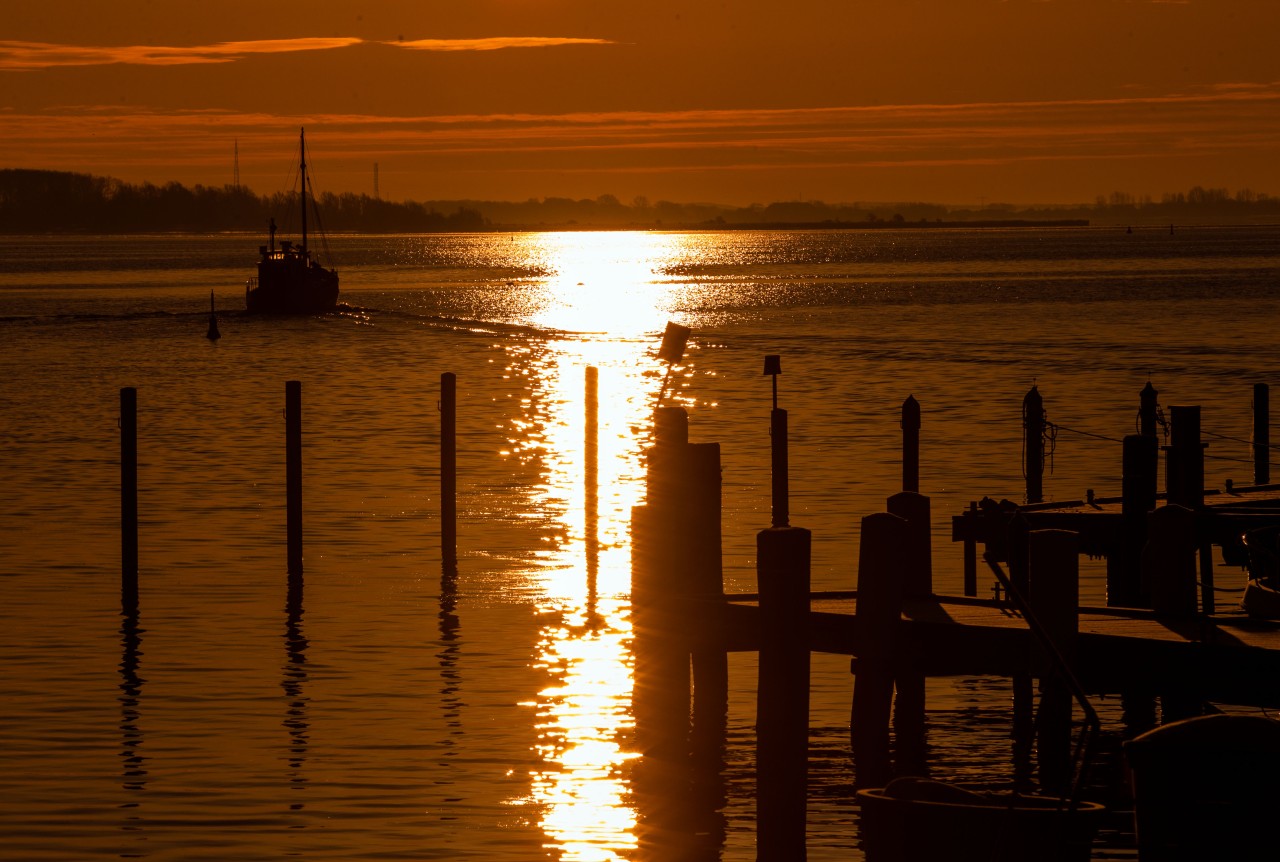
pixel 450 646
pixel 296 722
pixel 587 415
pixel 133 762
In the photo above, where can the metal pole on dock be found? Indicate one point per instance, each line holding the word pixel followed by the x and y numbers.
pixel 911 444
pixel 778 448
pixel 1261 434
pixel 782 694
pixel 449 470
pixel 879 610
pixel 293 473
pixel 1033 444
pixel 129 495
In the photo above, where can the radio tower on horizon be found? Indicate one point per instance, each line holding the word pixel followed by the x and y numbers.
pixel 235 176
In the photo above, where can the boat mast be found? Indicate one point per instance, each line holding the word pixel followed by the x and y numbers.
pixel 302 148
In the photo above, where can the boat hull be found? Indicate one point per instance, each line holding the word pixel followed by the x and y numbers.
pixel 310 290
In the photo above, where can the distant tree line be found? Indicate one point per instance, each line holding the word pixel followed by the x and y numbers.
pixel 34 201
pixel 57 201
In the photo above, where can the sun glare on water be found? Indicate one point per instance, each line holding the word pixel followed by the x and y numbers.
pixel 606 291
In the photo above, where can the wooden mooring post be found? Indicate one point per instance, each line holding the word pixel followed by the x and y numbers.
pixel 916 571
pixel 1054 599
pixel 1261 434
pixel 449 470
pixel 1033 426
pixel 293 474
pixel 1139 466
pixel 911 444
pixel 883 545
pixel 129 496
pixel 782 695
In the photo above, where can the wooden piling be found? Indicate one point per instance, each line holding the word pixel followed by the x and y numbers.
pixel 909 681
pixel 779 474
pixel 911 444
pixel 1169 560
pixel 1138 488
pixel 293 473
pixel 1017 538
pixel 129 495
pixel 1184 465
pixel 1033 426
pixel 1054 571
pixel 449 469
pixel 1261 434
pixel 591 478
pixel 970 556
pixel 782 698
pixel 879 610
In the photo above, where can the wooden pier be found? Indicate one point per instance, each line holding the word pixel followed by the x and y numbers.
pixel 1161 639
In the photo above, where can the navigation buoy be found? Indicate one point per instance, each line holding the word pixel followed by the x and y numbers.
pixel 213 334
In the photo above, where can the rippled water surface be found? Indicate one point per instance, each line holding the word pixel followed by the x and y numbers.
pixel 382 708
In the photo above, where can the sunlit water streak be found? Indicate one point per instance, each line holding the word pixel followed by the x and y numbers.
pixel 416 713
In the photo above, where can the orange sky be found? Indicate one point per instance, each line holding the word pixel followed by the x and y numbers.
pixel 955 101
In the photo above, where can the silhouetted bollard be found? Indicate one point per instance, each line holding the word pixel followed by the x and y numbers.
pixel 293 473
pixel 1033 444
pixel 1148 410
pixel 677 585
pixel 782 695
pixel 911 444
pixel 1184 464
pixel 449 469
pixel 1169 560
pixel 909 681
pixel 129 495
pixel 879 610
pixel 1054 569
pixel 1261 434
pixel 1138 490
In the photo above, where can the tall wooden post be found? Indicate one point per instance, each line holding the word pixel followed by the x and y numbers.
pixel 1261 434
pixel 293 473
pixel 129 495
pixel 970 553
pixel 449 470
pixel 1139 465
pixel 782 696
pixel 1033 444
pixel 1017 535
pixel 911 444
pixel 909 682
pixel 591 479
pixel 879 610
pixel 1054 569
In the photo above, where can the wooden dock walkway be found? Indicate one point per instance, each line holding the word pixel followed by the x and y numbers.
pixel 1227 658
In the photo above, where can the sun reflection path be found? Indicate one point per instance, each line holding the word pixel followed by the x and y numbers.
pixel 608 288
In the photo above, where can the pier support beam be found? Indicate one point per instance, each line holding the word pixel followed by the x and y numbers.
pixel 1054 569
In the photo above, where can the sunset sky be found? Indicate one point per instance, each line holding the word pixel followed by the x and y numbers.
pixel 953 101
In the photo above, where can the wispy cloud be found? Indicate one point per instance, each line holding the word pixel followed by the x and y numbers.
pixel 33 56
pixel 1212 126
pixel 495 43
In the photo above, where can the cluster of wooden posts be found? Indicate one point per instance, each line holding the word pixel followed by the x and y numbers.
pixel 897 630
pixel 901 630
pixel 293 482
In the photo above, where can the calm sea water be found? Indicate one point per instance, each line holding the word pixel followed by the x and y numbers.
pixel 387 712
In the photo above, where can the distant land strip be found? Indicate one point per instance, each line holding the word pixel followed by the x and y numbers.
pixel 51 202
